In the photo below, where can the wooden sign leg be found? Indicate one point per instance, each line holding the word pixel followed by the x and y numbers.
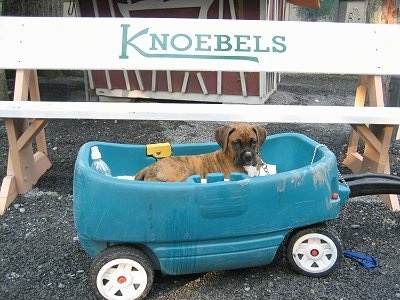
pixel 354 159
pixel 24 166
pixel 8 191
pixel 377 138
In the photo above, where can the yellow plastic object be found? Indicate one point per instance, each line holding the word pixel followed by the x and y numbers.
pixel 159 150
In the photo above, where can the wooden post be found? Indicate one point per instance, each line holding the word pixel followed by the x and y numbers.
pixel 377 138
pixel 25 166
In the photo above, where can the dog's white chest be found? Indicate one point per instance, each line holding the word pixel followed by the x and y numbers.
pixel 252 171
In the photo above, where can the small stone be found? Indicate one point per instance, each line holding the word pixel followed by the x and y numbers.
pixel 12 275
pixel 355 226
pixel 22 210
pixel 247 288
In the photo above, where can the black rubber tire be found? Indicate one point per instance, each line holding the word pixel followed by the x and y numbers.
pixel 314 252
pixel 137 272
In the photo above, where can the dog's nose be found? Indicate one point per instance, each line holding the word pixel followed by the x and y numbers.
pixel 247 156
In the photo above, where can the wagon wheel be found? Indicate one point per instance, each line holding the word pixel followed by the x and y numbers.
pixel 314 252
pixel 121 273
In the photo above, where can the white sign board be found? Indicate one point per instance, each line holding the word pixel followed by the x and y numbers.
pixel 198 44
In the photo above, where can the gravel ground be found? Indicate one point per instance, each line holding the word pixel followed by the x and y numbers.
pixel 40 256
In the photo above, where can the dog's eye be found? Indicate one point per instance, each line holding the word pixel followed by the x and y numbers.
pixel 253 143
pixel 237 144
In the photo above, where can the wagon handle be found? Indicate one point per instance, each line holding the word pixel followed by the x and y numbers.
pixel 372 184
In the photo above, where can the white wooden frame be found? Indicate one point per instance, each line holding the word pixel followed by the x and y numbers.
pixel 44 43
pixel 192 44
pixel 202 112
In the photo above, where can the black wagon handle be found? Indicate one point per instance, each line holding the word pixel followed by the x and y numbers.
pixel 372 184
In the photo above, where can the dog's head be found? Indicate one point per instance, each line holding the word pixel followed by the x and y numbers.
pixel 242 141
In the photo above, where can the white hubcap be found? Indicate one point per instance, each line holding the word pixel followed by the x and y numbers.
pixel 315 253
pixel 123 279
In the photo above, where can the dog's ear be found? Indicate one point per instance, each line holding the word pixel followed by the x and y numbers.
pixel 261 135
pixel 222 135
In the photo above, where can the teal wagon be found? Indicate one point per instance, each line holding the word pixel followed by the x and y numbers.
pixel 132 228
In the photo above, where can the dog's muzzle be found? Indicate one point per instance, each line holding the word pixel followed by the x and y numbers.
pixel 247 158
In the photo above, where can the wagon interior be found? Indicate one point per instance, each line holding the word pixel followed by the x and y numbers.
pixel 285 151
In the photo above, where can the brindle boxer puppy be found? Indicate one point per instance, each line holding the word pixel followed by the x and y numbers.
pixel 239 143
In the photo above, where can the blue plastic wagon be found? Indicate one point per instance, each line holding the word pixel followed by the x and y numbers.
pixel 132 228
